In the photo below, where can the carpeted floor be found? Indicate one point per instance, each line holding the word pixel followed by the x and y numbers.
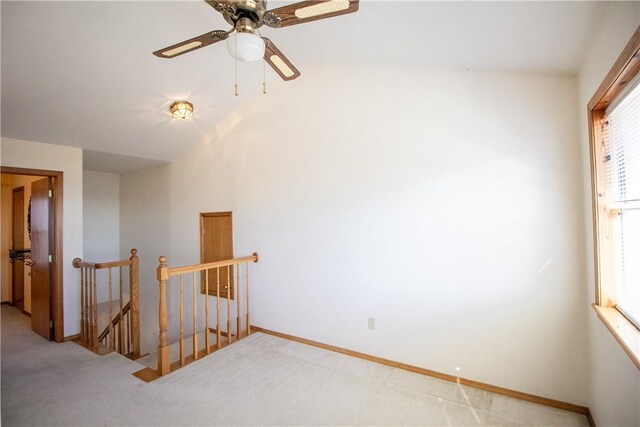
pixel 262 380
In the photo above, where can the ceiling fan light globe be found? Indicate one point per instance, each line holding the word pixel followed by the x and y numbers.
pixel 249 47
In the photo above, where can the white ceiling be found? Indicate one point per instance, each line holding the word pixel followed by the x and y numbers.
pixel 82 73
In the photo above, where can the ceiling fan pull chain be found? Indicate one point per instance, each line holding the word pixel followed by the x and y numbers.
pixel 235 46
pixel 264 72
pixel 264 78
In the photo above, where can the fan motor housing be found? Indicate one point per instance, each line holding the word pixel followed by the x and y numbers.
pixel 251 9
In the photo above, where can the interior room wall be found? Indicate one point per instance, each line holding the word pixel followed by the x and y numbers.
pixel 101 213
pixel 101 224
pixel 445 204
pixel 35 155
pixel 614 381
pixel 5 235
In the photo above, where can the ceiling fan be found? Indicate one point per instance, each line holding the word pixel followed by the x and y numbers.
pixel 246 16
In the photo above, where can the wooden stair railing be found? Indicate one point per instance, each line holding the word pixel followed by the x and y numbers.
pixel 122 328
pixel 114 322
pixel 233 289
pixel 122 343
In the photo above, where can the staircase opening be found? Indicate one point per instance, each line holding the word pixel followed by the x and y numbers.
pixel 110 306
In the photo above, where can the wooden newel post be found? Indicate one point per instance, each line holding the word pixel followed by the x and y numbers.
pixel 135 302
pixel 77 262
pixel 256 258
pixel 94 307
pixel 163 347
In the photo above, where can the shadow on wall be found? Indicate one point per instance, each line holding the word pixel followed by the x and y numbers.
pixel 423 203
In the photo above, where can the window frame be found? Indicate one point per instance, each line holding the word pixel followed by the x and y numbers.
pixel 626 67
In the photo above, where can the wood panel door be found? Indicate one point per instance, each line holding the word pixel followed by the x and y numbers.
pixel 17 242
pixel 41 249
pixel 216 244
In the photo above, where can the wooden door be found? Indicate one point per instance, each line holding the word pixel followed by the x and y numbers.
pixel 17 276
pixel 41 249
pixel 216 244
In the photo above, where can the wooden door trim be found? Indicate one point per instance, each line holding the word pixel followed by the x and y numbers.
pixel 213 214
pixel 626 67
pixel 57 308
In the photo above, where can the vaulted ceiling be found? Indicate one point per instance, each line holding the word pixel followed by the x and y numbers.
pixel 82 73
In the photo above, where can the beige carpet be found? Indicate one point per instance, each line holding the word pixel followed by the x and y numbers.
pixel 262 380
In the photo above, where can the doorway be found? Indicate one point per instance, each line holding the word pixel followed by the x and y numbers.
pixel 44 224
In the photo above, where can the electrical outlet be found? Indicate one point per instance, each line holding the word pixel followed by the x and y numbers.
pixel 372 324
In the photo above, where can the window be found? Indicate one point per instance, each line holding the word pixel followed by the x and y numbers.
pixel 619 199
pixel 614 125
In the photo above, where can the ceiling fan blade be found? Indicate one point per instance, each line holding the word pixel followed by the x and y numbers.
pixel 309 10
pixel 279 62
pixel 192 44
pixel 225 7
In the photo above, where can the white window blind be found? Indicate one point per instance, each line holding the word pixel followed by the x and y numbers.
pixel 621 167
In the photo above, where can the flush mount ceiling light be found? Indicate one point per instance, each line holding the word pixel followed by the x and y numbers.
pixel 181 110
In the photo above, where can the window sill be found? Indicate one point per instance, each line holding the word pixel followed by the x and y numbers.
pixel 623 331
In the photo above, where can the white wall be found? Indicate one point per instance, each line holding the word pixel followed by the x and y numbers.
pixel 101 243
pixel 445 204
pixel 35 155
pixel 101 213
pixel 144 224
pixel 614 381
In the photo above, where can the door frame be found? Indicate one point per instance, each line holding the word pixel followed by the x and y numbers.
pixel 57 309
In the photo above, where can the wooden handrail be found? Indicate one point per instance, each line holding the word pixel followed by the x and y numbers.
pixel 112 264
pixel 78 263
pixel 114 321
pixel 211 265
